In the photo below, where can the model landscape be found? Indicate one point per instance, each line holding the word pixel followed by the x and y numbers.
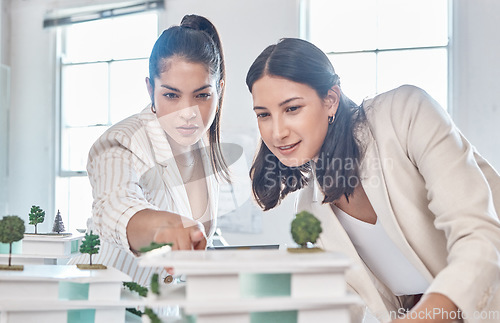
pixel 251 286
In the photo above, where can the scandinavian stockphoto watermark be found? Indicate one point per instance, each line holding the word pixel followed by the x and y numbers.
pixel 440 313
pixel 335 178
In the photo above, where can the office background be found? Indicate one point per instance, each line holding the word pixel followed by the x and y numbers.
pixel 29 102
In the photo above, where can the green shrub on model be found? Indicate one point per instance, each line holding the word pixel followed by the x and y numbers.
pixel 11 230
pixel 305 228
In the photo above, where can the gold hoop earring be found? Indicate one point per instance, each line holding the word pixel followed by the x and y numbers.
pixel 330 119
pixel 153 108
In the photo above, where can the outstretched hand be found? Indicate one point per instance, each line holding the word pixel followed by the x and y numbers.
pixel 185 235
pixel 188 236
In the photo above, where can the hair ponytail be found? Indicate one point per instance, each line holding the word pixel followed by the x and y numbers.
pixel 203 24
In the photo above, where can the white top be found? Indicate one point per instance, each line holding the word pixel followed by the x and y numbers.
pixel 382 256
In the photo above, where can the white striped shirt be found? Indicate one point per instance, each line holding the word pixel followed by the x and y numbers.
pixel 131 168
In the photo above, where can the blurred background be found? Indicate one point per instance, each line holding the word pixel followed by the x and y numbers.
pixel 70 69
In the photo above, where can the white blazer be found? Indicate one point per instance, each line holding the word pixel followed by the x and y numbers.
pixel 435 196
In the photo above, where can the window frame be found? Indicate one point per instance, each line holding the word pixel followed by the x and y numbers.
pixel 60 124
pixel 305 33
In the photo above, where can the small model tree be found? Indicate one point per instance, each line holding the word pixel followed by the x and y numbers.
pixel 36 216
pixel 90 245
pixel 305 228
pixel 58 223
pixel 11 230
pixel 154 245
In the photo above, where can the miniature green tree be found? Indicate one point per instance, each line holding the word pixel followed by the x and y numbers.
pixel 90 245
pixel 36 216
pixel 11 230
pixel 155 285
pixel 305 228
pixel 152 315
pixel 154 245
pixel 58 223
pixel 135 287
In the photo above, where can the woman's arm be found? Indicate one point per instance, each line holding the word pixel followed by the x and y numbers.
pixel 459 196
pixel 432 307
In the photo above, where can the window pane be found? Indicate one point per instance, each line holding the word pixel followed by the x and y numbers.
pixel 412 23
pixel 87 42
pixel 75 146
pixel 133 36
pixel 426 68
pixel 339 25
pixel 128 92
pixel 74 200
pixel 357 74
pixel 85 94
pixel 80 200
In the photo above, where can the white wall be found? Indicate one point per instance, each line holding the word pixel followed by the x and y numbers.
pixel 4 31
pixel 32 124
pixel 246 27
pixel 4 103
pixel 476 74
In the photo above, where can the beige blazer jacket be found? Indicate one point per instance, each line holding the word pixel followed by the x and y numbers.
pixel 435 196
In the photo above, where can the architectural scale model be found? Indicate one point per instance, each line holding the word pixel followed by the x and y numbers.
pixel 255 286
pixel 63 294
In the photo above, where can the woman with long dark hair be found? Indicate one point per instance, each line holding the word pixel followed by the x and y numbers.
pixel 155 175
pixel 395 184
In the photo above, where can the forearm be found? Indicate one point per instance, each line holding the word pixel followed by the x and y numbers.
pixel 433 307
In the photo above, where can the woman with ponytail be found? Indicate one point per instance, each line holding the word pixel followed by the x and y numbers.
pixel 155 174
pixel 394 183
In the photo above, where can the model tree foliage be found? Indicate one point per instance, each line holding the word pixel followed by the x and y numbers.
pixel 58 223
pixel 36 216
pixel 152 315
pixel 305 228
pixel 154 245
pixel 11 230
pixel 90 245
pixel 155 285
pixel 135 287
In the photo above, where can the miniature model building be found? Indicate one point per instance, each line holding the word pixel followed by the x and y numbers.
pixel 62 294
pixel 258 285
pixel 42 249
